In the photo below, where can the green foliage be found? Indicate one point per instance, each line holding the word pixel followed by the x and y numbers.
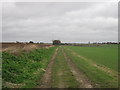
pixel 25 68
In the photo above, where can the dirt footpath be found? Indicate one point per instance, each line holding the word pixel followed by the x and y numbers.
pixel 80 80
pixel 46 79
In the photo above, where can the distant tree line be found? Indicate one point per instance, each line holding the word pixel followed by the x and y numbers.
pixel 95 43
pixel 31 42
pixel 58 42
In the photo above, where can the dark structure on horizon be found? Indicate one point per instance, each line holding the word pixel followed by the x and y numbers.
pixel 31 42
pixel 56 42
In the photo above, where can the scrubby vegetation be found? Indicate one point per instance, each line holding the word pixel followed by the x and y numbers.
pixel 26 69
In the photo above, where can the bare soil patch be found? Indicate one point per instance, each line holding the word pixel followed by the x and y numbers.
pixel 13 85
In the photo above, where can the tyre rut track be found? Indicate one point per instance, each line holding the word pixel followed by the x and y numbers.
pixel 80 77
pixel 46 79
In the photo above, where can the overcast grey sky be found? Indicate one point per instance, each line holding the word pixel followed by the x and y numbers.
pixel 68 22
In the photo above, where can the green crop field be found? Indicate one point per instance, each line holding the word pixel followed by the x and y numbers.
pixel 107 55
pixel 95 62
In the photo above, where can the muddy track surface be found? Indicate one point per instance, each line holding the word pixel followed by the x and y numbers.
pixel 80 77
pixel 46 79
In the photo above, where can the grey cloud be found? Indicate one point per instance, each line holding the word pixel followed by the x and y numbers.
pixel 69 22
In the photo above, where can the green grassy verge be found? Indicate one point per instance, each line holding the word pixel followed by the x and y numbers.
pixel 99 78
pixel 62 77
pixel 25 70
pixel 107 56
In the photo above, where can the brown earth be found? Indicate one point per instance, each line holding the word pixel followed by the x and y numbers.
pixel 13 85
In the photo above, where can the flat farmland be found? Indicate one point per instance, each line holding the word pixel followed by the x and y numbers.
pixel 100 64
pixel 62 67
pixel 107 56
